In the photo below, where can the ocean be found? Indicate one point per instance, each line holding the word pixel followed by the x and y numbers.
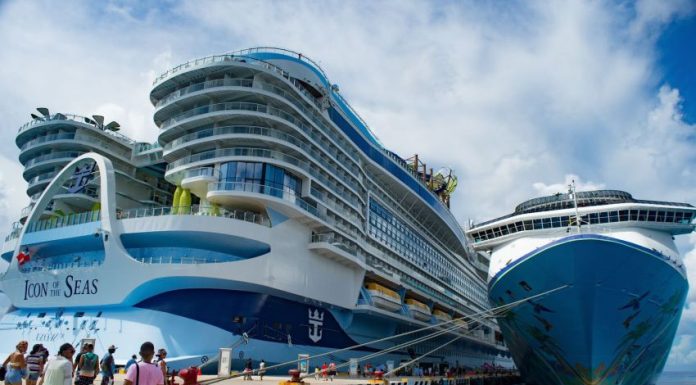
pixel 677 378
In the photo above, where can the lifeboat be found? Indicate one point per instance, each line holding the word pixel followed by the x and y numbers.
pixel 384 298
pixel 441 315
pixel 419 310
pixel 464 327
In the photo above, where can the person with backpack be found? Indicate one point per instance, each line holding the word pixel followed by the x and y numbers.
pixel 145 372
pixel 88 366
pixel 108 367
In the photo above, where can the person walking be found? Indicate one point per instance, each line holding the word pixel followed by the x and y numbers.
pixel 262 369
pixel 16 365
pixel 248 369
pixel 324 370
pixel 332 371
pixel 108 367
pixel 130 362
pixel 76 370
pixel 35 363
pixel 88 365
pixel 145 372
pixel 162 363
pixel 59 369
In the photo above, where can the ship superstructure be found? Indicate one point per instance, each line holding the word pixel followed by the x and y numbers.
pixel 619 282
pixel 287 228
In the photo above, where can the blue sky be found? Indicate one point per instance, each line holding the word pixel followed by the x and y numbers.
pixel 517 97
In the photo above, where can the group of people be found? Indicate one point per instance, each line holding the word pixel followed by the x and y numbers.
pixel 38 367
pixel 328 372
pixel 249 370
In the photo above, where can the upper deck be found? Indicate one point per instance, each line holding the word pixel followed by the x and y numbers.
pixel 602 208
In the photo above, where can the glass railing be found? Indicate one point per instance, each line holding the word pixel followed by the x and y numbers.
pixel 260 188
pixel 74 118
pixel 179 260
pixel 42 178
pixel 201 171
pixel 38 265
pixel 238 151
pixel 273 133
pixel 51 156
pixel 336 241
pixel 202 86
pixel 263 153
pixel 47 138
pixel 242 215
pixel 67 220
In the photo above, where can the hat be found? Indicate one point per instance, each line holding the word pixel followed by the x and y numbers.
pixel 112 347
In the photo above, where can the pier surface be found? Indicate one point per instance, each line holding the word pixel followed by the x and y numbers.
pixel 478 379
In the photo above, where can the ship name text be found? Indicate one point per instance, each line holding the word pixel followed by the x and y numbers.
pixel 71 287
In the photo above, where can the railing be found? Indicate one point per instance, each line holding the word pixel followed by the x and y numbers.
pixel 143 147
pixel 273 133
pixel 202 86
pixel 238 151
pixel 182 260
pixel 260 188
pixel 335 241
pixel 51 156
pixel 68 220
pixel 263 153
pixel 36 265
pixel 243 215
pixel 41 178
pixel 201 171
pixel 47 138
pixel 74 118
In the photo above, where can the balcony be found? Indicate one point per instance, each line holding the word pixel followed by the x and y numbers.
pixel 198 179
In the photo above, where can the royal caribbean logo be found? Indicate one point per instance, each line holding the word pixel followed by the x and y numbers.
pixel 82 176
pixel 316 321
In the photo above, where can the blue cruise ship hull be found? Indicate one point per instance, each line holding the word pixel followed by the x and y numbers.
pixel 614 322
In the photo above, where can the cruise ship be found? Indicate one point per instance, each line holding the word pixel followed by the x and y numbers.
pixel 266 218
pixel 614 279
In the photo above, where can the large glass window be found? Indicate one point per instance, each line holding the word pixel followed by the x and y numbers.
pixel 256 176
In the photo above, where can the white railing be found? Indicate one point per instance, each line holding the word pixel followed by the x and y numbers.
pixel 243 215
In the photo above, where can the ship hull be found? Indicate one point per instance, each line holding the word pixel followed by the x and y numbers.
pixel 196 322
pixel 612 322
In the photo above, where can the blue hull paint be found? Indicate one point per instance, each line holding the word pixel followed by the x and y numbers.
pixel 614 323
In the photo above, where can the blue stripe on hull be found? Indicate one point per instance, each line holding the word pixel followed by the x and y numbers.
pixel 614 324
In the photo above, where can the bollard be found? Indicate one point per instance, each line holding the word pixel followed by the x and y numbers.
pixel 294 378
pixel 189 375
pixel 378 378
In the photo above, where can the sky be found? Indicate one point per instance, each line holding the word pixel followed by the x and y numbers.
pixel 519 98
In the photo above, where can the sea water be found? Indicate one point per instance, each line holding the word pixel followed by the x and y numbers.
pixel 677 378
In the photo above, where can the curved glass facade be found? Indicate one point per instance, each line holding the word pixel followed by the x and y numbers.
pixel 261 174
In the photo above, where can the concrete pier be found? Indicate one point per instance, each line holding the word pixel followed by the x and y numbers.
pixel 472 379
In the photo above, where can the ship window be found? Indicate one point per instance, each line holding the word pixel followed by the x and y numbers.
pixel 79 314
pixel 603 217
pixel 520 226
pixel 642 215
pixel 669 217
pixel 41 315
pixel 546 223
pixel 660 216
pixel 99 314
pixel 623 215
pixel 687 218
pixel 556 221
pixel 537 224
pixel 651 216
pixel 634 215
pixel 613 216
pixel 678 216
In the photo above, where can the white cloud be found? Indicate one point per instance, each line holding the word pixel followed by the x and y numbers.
pixel 580 185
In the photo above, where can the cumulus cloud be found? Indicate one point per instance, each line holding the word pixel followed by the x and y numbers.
pixel 517 98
